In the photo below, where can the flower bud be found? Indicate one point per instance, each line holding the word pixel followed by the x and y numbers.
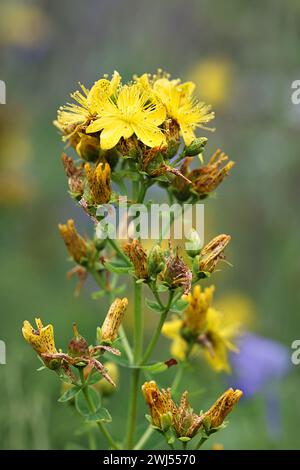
pixel 215 416
pixel 76 245
pixel 195 147
pixel 194 244
pixel 155 261
pixel 99 182
pixel 88 147
pixel 213 252
pixel 161 406
pixel 138 257
pixel 113 319
pixel 78 345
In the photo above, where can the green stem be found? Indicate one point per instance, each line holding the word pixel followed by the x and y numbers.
pixel 92 441
pixel 201 442
pixel 137 352
pixel 177 379
pixel 118 250
pixel 132 412
pixel 138 322
pixel 126 344
pixel 92 409
pixel 144 438
pixel 143 189
pixel 156 335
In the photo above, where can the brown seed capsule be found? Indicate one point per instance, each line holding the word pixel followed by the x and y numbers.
pixel 78 345
pixel 186 422
pixel 177 273
pixel 207 178
pixel 75 175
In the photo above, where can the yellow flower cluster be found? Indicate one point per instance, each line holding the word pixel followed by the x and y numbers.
pixel 143 108
pixel 202 325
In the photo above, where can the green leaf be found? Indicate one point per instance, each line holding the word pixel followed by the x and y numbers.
pixel 179 306
pixel 102 414
pixel 94 378
pixel 155 368
pixel 116 178
pixel 98 294
pixel 116 268
pixel 154 305
pixel 170 436
pixel 69 394
pixel 81 404
pixel 139 281
pixel 162 288
pixel 41 368
pixel 119 289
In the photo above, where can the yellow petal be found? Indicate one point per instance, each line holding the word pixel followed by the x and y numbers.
pixel 47 336
pixel 110 136
pixel 115 82
pixel 172 328
pixel 187 89
pixel 94 126
pixel 187 134
pixel 179 348
pixel 149 135
pixel 39 324
pixel 155 116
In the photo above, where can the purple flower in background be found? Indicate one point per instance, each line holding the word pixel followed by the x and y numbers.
pixel 259 362
pixel 259 367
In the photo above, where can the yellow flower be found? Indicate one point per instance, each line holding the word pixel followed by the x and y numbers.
pixel 217 340
pixel 113 320
pixel 202 325
pixel 195 314
pixel 41 339
pixel 179 346
pixel 133 112
pixel 182 106
pixel 88 102
pixel 217 413
pixel 99 182
pixel 76 245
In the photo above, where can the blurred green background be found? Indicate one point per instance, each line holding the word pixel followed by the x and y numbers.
pixel 243 57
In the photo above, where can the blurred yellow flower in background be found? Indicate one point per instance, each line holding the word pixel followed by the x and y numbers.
pixel 24 25
pixel 213 78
